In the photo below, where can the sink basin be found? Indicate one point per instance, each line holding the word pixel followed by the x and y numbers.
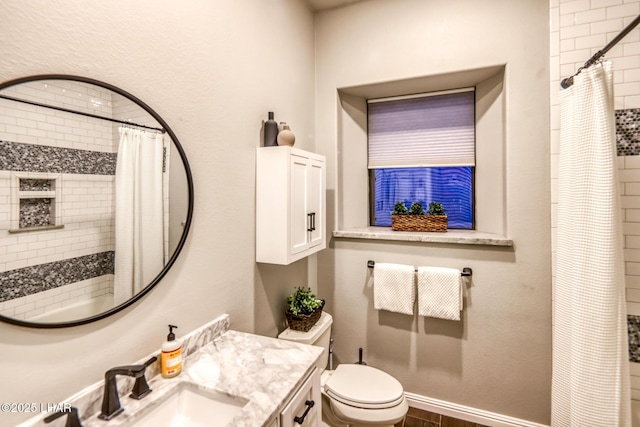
pixel 188 405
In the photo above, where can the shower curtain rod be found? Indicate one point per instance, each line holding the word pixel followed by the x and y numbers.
pixel 37 104
pixel 599 54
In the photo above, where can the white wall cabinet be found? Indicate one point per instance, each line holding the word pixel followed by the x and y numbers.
pixel 290 204
pixel 305 407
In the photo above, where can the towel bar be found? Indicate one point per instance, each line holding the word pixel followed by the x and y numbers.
pixel 466 271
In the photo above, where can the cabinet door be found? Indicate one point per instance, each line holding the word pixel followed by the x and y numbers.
pixel 315 202
pixel 300 405
pixel 299 221
pixel 274 423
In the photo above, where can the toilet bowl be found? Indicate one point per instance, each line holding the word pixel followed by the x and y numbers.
pixel 352 395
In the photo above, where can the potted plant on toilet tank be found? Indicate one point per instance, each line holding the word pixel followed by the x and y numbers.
pixel 303 309
pixel 416 219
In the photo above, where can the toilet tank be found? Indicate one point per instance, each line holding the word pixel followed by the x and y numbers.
pixel 318 335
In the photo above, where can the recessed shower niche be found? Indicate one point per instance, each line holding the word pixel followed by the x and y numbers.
pixel 35 202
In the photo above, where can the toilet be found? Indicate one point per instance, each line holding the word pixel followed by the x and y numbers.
pixel 352 395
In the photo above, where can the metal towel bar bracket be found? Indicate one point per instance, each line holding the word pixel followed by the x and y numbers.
pixel 466 271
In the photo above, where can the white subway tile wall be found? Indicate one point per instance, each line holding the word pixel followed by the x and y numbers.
pixel 87 205
pixel 43 126
pixel 87 216
pixel 580 28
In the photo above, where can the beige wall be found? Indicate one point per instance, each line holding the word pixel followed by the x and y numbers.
pixel 498 358
pixel 212 70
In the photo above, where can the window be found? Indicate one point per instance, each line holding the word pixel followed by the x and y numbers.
pixel 422 148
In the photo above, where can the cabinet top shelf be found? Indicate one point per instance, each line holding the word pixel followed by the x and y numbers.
pixel 284 151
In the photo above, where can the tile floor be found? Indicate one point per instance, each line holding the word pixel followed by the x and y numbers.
pixel 419 418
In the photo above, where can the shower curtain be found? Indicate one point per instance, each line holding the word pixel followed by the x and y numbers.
pixel 590 385
pixel 139 222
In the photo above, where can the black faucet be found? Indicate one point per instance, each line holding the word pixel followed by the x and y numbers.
pixel 110 400
pixel 72 417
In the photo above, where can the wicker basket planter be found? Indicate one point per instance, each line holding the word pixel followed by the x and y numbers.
pixel 303 322
pixel 436 223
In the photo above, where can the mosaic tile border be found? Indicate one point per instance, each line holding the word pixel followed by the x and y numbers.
pixel 633 328
pixel 628 132
pixel 16 156
pixel 30 280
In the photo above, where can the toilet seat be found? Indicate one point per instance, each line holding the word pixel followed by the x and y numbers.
pixel 364 387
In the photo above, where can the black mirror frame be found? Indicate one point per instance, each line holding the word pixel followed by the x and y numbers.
pixel 187 224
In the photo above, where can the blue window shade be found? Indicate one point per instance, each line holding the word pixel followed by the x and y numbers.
pixel 451 186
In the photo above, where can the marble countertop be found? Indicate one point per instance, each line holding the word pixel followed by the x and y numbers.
pixel 265 372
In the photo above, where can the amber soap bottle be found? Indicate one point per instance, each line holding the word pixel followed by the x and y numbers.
pixel 171 356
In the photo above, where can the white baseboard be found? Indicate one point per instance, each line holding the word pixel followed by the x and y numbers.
pixel 466 413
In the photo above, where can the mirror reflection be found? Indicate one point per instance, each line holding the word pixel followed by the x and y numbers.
pixel 95 200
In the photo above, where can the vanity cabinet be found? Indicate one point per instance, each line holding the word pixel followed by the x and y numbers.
pixel 305 407
pixel 290 204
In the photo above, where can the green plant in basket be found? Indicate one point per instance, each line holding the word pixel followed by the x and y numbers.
pixel 303 301
pixel 400 209
pixel 436 208
pixel 416 209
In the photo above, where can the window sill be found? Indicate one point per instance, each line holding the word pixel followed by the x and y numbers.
pixel 460 237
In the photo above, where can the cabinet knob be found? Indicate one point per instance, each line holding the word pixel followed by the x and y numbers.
pixel 309 404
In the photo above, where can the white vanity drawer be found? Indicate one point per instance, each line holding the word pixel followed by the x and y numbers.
pixel 301 404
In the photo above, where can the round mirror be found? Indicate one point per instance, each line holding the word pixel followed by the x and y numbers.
pixel 96 200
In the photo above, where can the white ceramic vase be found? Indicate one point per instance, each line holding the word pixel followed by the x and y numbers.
pixel 285 136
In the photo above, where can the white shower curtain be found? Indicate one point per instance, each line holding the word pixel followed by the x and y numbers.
pixel 139 223
pixel 590 385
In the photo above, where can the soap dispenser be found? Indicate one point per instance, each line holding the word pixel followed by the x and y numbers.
pixel 171 357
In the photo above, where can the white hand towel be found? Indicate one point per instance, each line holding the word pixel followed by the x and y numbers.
pixel 439 292
pixel 393 288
